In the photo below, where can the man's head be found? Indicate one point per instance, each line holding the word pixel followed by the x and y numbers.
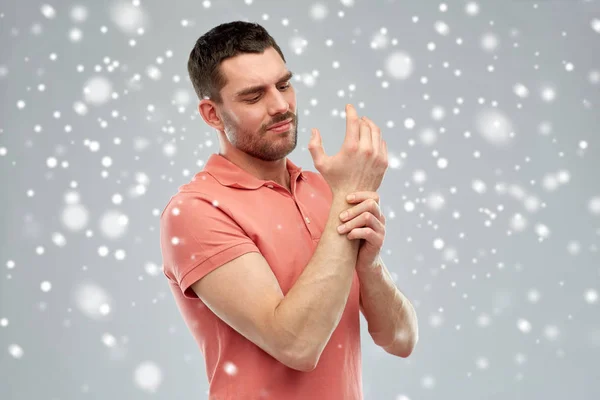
pixel 227 61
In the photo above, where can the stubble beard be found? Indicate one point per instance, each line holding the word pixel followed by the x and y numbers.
pixel 264 145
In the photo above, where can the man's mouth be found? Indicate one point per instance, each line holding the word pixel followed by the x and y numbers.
pixel 280 125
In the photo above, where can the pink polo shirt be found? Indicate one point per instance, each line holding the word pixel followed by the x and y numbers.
pixel 223 213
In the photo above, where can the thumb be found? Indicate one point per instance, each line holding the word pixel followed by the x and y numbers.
pixel 315 146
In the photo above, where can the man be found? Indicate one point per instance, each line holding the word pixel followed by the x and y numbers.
pixel 267 284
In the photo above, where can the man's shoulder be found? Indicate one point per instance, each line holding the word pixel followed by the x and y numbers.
pixel 201 182
pixel 201 186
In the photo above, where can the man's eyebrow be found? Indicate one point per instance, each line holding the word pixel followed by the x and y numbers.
pixel 255 89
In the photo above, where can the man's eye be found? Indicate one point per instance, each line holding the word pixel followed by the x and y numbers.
pixel 254 100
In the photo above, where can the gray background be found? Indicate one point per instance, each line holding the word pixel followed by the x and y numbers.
pixel 498 251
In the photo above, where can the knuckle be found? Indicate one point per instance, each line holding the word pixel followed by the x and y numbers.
pixel 352 147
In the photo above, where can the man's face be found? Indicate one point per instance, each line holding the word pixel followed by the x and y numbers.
pixel 247 115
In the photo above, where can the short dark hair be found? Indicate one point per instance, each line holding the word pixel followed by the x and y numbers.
pixel 220 43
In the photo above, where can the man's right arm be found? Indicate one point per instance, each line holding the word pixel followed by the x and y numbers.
pixel 314 305
pixel 294 328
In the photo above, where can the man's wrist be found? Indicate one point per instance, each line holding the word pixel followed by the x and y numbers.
pixel 378 263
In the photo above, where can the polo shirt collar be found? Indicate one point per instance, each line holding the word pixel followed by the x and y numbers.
pixel 229 174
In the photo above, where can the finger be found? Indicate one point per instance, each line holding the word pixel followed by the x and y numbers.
pixel 352 125
pixel 369 205
pixel 369 235
pixel 365 140
pixel 376 135
pixel 362 196
pixel 385 151
pixel 366 219
pixel 315 147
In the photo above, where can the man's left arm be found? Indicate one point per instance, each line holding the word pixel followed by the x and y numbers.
pixel 391 318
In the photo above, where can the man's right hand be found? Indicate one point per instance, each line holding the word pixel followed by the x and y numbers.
pixel 361 163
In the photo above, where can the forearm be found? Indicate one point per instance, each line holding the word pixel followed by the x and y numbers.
pixel 313 307
pixel 391 318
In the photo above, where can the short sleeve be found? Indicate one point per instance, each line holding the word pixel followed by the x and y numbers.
pixel 197 237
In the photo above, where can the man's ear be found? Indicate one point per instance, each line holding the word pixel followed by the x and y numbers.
pixel 209 114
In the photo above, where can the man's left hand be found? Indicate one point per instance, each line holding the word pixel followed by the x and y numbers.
pixel 365 221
